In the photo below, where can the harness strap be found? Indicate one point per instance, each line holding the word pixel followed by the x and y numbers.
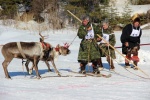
pixel 45 45
pixel 20 50
pixel 57 49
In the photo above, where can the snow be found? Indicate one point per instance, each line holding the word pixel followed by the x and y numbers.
pixel 145 25
pixel 120 86
pixel 140 9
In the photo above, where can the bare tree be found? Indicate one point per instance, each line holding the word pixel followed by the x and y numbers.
pixel 49 8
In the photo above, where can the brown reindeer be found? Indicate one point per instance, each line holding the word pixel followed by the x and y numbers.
pixel 34 51
pixel 52 55
pixel 29 50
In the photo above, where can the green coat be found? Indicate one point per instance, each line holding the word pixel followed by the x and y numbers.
pixel 88 50
pixel 104 50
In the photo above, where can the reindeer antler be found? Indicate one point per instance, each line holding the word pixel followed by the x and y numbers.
pixel 66 45
pixel 42 37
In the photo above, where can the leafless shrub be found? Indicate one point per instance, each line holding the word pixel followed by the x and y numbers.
pixel 27 16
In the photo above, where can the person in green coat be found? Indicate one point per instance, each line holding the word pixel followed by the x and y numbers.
pixel 105 49
pixel 88 50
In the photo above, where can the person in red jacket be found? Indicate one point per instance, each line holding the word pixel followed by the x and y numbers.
pixel 130 39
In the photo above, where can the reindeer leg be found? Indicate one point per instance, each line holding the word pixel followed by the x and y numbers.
pixel 55 68
pixel 5 65
pixel 48 65
pixel 26 64
pixel 31 70
pixel 36 60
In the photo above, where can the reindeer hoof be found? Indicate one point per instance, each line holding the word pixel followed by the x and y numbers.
pixel 30 72
pixel 8 77
pixel 59 74
pixel 38 77
pixel 49 70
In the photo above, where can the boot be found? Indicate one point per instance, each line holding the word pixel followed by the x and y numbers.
pixel 96 70
pixel 127 65
pixel 135 59
pixel 100 65
pixel 82 68
pixel 128 56
pixel 134 67
pixel 95 67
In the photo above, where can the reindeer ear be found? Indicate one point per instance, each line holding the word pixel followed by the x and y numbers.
pixel 57 46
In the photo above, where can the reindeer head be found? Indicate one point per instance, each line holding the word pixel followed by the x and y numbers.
pixel 63 50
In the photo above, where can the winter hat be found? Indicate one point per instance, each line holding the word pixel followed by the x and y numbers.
pixel 137 20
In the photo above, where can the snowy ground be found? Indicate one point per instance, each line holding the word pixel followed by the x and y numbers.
pixel 121 86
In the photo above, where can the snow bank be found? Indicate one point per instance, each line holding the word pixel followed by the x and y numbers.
pixel 145 25
pixel 135 8
pixel 139 9
pixel 30 25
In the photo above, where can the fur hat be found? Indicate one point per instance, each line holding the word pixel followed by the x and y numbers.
pixel 135 18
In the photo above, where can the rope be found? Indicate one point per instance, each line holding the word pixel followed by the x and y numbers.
pixel 20 50
pixel 23 55
pixel 23 67
pixel 89 57
pixel 109 57
pixel 132 72
pixel 140 45
pixel 73 40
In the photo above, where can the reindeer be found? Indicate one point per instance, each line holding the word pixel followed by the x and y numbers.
pixel 52 55
pixel 29 50
pixel 22 50
pixel 32 51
